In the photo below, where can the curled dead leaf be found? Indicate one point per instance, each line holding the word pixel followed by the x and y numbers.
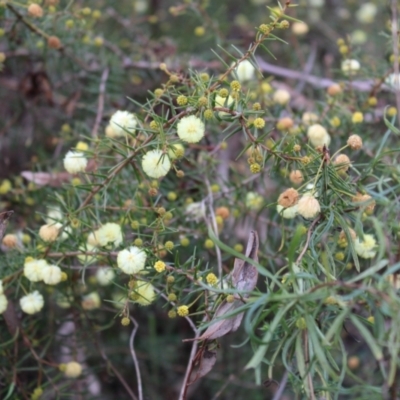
pixel 4 216
pixel 244 278
pixel 46 178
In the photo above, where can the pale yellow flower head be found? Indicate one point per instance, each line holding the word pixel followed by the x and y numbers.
pixel 245 71
pixel 75 162
pixel 281 96
pixel 33 269
pixel 109 233
pixel 350 67
pixel 32 303
pixel 318 135
pixel 3 303
pixel 308 207
pixel 190 129
pixel 132 260
pixel 51 274
pixel 144 293
pixel 72 369
pixel 365 247
pixel 156 164
pixel 122 122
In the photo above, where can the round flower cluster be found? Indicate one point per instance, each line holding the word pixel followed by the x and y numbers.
pixel 287 213
pixel 3 299
pixel 365 247
pixel 308 207
pixel 245 71
pixel 223 102
pixel 159 266
pixel 211 279
pixel 144 293
pixel 121 123
pixel 71 369
pixel 350 67
pixel 108 234
pixel 105 276
pixel 254 201
pixel 75 161
pixel 49 232
pixel 190 129
pixel 40 270
pixel 156 164
pixel 318 135
pixel 281 97
pixel 288 198
pixel 183 311
pixel 131 260
pixel 32 303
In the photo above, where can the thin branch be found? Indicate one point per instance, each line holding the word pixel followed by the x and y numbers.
pixel 134 357
pixel 281 387
pixel 214 228
pixel 310 230
pixel 395 40
pixel 100 105
pixel 189 368
pixel 44 35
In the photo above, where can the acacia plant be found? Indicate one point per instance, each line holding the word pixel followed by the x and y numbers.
pixel 218 201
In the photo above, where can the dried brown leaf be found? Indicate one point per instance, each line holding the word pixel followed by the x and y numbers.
pixel 207 361
pixel 4 216
pixel 46 178
pixel 244 278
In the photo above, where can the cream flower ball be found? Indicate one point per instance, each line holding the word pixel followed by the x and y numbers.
pixel 122 122
pixel 366 13
pixel 281 96
pixel 245 71
pixel 109 233
pixel 308 207
pixel 49 232
pixel 3 303
pixel 190 129
pixel 350 67
pixel 176 151
pixel 195 211
pixel 32 303
pixel 318 135
pixel 254 201
pixel 131 260
pixel 223 102
pixel 144 293
pixel 105 276
pixel 33 269
pixel 75 162
pixel 289 212
pixel 87 259
pixel 365 247
pixel 72 369
pixel 91 301
pixel 51 274
pixel 309 118
pixel 300 28
pixel 156 164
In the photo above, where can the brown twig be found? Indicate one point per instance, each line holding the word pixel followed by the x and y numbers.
pixel 44 35
pixel 100 105
pixel 134 357
pixel 310 230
